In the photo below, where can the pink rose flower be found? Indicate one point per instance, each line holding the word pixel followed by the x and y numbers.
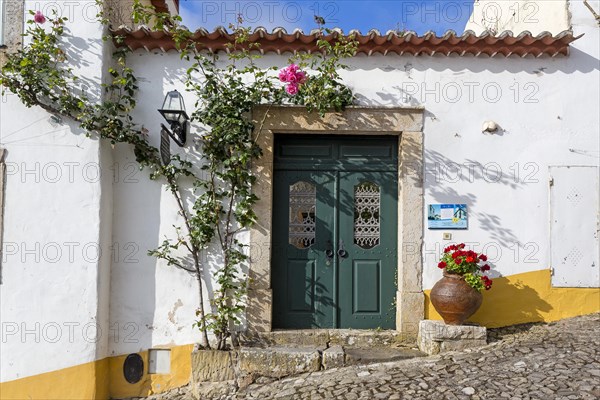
pixel 291 89
pixel 283 75
pixel 291 74
pixel 39 18
pixel 291 78
pixel 301 76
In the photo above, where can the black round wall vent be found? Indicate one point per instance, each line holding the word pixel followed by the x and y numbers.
pixel 133 368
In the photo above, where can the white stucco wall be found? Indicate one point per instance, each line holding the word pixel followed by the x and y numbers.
pixel 156 301
pixel 503 177
pixel 548 124
pixel 519 16
pixel 54 206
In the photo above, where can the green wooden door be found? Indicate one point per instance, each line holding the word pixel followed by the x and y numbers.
pixel 334 232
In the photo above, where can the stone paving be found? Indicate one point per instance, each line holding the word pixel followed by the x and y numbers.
pixel 559 360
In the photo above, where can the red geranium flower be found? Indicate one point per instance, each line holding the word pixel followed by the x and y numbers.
pixel 450 248
pixel 487 282
pixel 460 260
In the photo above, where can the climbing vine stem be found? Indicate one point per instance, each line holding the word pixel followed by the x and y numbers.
pixel 226 92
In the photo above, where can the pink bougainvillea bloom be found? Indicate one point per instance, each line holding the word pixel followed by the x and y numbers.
pixel 39 18
pixel 291 89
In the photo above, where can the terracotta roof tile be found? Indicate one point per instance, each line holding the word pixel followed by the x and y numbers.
pixel 280 41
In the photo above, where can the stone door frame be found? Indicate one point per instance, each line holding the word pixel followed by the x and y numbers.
pixel 407 123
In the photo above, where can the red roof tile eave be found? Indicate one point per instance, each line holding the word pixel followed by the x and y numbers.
pixel 279 41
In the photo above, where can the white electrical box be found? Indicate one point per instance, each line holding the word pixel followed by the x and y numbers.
pixel 159 361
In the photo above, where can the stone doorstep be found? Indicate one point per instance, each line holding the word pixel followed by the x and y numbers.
pixel 362 356
pixel 275 355
pixel 248 363
pixel 334 357
pixel 436 337
pixel 280 361
pixel 329 337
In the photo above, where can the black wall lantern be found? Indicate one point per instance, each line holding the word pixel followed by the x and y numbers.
pixel 173 111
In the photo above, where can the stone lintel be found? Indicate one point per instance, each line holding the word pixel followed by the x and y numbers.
pixel 363 119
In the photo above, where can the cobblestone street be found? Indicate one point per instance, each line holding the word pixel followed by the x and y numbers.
pixel 538 361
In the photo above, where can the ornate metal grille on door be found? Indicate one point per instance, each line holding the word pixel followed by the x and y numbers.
pixel 366 215
pixel 302 218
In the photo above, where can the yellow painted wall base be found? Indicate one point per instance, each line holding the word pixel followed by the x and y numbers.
pixel 528 297
pixel 102 379
pixel 85 381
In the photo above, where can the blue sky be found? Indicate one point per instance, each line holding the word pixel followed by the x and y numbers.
pixel 417 15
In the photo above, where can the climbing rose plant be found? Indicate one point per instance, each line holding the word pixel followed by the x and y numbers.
pixel 226 94
pixel 457 260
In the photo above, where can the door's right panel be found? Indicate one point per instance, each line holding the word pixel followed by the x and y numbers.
pixel 368 218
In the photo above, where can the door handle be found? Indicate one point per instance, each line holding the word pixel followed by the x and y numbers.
pixel 329 252
pixel 341 251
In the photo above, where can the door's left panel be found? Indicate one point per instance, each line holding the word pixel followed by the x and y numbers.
pixel 302 275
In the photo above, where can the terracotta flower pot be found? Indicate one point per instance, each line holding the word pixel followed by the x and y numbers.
pixel 454 299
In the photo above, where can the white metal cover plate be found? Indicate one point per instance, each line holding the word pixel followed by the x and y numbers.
pixel 574 223
pixel 159 361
